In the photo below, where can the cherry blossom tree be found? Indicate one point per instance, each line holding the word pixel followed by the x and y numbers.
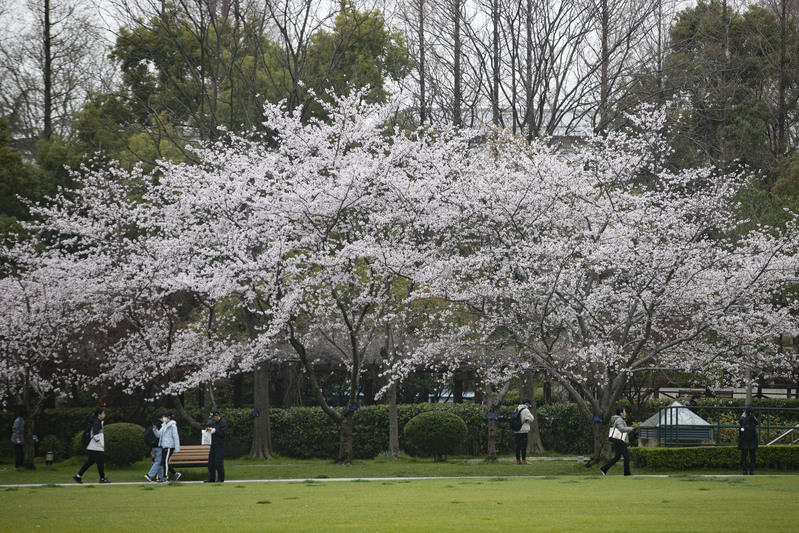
pixel 591 264
pixel 601 264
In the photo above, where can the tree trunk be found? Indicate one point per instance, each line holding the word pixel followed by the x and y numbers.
pixel 492 407
pixel 29 446
pixel 393 423
pixel 345 444
pixel 261 431
pixel 602 446
pixel 491 444
pixel 47 68
pixel 527 390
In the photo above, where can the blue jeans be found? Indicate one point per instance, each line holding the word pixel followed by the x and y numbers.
pixel 156 469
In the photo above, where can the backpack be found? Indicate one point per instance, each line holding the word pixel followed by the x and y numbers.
pixel 516 420
pixel 87 435
pixel 150 439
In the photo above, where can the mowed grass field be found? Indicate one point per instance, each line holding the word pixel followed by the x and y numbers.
pixel 689 503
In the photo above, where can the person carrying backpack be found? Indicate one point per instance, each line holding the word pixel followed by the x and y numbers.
pixel 747 439
pixel 525 417
pixel 95 447
pixel 151 440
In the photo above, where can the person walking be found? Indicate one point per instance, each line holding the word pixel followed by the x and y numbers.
pixel 151 439
pixel 747 439
pixel 216 455
pixel 620 438
pixel 521 434
pixel 18 438
pixel 169 441
pixel 95 448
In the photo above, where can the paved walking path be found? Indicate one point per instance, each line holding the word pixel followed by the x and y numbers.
pixel 338 479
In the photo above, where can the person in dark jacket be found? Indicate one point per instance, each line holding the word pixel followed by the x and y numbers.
pixel 18 438
pixel 747 439
pixel 216 455
pixel 96 447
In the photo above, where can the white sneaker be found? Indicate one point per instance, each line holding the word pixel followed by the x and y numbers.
pixel 148 478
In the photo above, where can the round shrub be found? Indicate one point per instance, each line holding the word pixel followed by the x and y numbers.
pixel 435 433
pixel 124 444
pixel 50 443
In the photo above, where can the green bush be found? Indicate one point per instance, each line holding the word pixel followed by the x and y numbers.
pixel 435 433
pixel 51 443
pixel 124 444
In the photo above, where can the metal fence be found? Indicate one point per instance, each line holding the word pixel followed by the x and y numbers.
pixel 778 425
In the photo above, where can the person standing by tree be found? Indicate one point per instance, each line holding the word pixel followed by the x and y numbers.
pixel 619 442
pixel 18 438
pixel 96 447
pixel 522 433
pixel 216 455
pixel 169 440
pixel 747 439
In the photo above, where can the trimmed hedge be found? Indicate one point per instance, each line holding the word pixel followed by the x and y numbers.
pixel 723 457
pixel 435 433
pixel 306 432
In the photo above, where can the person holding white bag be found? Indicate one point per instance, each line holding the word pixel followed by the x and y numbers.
pixel 95 448
pixel 619 436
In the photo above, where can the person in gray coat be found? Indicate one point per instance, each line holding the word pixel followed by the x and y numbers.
pixel 18 438
pixel 619 444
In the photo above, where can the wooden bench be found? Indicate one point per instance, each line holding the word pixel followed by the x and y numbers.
pixel 191 455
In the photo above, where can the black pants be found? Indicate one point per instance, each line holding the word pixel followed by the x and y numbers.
pixel 94 457
pixel 19 455
pixel 216 462
pixel 620 447
pixel 521 446
pixel 751 454
pixel 166 455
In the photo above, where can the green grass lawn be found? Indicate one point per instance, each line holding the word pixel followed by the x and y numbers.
pixel 546 496
pixel 557 503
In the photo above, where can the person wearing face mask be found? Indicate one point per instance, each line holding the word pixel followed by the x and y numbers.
pixel 169 441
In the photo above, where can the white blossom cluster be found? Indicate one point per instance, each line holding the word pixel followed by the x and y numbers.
pixel 347 241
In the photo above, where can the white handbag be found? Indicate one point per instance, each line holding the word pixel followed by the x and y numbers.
pixel 615 433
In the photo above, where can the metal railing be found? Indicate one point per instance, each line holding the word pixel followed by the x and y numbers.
pixel 723 426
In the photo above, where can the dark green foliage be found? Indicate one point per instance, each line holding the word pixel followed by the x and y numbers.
pixel 306 432
pixel 435 433
pixel 51 443
pixel 724 457
pixel 124 444
pixel 564 429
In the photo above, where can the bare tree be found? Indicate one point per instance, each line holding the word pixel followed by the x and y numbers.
pixel 49 67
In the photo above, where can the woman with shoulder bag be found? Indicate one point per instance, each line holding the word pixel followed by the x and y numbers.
pixel 619 436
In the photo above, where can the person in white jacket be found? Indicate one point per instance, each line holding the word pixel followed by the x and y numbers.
pixel 95 448
pixel 169 440
pixel 521 434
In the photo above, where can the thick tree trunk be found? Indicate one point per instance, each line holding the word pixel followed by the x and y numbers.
pixel 261 431
pixel 345 444
pixel 491 444
pixel 29 446
pixel 527 390
pixel 602 446
pixel 393 423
